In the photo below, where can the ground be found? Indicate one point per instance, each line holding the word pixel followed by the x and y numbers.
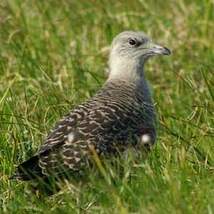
pixel 53 55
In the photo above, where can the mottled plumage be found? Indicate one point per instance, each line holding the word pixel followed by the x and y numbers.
pixel 119 116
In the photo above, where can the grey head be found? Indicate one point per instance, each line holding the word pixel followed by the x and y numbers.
pixel 129 51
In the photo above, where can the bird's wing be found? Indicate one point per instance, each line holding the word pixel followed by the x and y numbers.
pixel 67 147
pixel 96 124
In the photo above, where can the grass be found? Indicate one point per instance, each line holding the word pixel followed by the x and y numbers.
pixel 53 56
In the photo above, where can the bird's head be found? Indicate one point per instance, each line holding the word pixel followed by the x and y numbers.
pixel 130 50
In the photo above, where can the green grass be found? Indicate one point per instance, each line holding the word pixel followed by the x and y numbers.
pixel 53 56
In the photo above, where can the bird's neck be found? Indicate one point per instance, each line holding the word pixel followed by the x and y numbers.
pixel 130 70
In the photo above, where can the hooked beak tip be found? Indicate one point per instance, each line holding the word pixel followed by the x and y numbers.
pixel 166 51
pixel 157 49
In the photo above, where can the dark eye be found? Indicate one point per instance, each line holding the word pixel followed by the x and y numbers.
pixel 132 42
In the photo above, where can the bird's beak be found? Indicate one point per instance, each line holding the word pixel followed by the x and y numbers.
pixel 157 49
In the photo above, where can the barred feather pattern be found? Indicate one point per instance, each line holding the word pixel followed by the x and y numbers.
pixel 113 120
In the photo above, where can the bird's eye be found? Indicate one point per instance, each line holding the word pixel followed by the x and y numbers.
pixel 132 42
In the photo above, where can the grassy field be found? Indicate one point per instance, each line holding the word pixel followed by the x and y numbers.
pixel 53 55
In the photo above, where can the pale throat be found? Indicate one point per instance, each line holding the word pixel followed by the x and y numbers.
pixel 127 69
pixel 131 71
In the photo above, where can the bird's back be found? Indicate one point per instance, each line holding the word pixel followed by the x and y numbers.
pixel 114 119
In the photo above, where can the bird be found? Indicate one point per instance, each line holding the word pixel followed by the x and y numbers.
pixel 119 116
